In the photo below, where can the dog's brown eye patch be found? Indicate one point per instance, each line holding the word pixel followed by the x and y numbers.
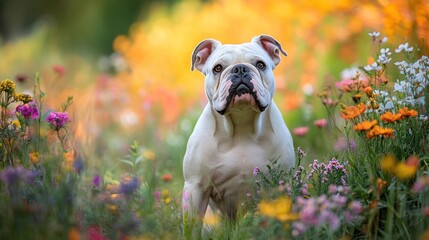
pixel 218 68
pixel 260 65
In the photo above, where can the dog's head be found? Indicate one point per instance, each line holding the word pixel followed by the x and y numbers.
pixel 239 76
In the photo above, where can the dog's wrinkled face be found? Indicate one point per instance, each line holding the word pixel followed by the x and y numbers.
pixel 238 76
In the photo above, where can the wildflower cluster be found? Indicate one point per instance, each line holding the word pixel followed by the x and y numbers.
pixel 308 202
pixel 388 122
pixel 326 211
pixel 390 107
pixel 323 175
pixel 14 127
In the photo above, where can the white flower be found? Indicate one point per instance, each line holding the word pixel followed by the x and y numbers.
pixel 385 51
pixel 383 58
pixel 372 67
pixel 384 40
pixel 308 89
pixel 400 86
pixel 351 73
pixel 381 93
pixel 374 34
pixel 404 47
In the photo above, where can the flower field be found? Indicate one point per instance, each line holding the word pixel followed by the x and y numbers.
pixel 91 145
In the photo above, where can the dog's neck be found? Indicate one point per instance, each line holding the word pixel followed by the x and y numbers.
pixel 241 123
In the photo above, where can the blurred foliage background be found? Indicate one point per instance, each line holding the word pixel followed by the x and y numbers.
pixel 127 63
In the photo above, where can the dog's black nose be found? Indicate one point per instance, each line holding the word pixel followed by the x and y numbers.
pixel 240 69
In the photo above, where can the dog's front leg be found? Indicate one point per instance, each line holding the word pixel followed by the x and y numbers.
pixel 194 202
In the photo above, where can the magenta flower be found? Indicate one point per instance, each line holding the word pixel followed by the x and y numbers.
pixel 29 110
pixel 57 120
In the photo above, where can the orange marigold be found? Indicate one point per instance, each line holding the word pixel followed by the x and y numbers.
pixel 390 117
pixel 407 113
pixel 365 125
pixel 352 112
pixel 379 131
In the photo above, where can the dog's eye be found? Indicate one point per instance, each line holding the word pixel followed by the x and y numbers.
pixel 218 68
pixel 260 65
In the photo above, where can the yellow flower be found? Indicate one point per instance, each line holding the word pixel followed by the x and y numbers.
pixel 365 125
pixel 149 155
pixel 16 123
pixel 212 219
pixel 7 86
pixel 404 171
pixel 35 157
pixel 25 98
pixel 388 163
pixel 280 208
pixel 68 161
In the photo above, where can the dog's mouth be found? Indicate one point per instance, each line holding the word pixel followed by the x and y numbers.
pixel 242 94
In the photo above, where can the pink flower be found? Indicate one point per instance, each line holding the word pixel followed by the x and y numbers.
pixel 57 120
pixel 321 123
pixel 300 131
pixel 59 70
pixel 256 171
pixel 95 233
pixel 345 85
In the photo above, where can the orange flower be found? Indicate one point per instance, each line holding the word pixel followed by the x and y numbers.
pixel 35 157
pixel 352 112
pixel 380 131
pixel 365 125
pixel 407 113
pixel 368 91
pixel 73 234
pixel 167 177
pixel 390 117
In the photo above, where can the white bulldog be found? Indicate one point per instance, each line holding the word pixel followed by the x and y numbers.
pixel 240 129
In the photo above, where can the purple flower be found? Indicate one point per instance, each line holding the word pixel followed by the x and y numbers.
pixel 157 195
pixel 256 171
pixel 355 207
pixel 57 120
pixel 12 177
pixel 96 180
pixel 129 186
pixel 29 110
pixel 78 165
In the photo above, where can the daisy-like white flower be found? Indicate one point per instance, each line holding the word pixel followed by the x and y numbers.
pixel 372 67
pixel 374 34
pixel 404 47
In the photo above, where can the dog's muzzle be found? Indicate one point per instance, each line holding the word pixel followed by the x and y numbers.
pixel 241 78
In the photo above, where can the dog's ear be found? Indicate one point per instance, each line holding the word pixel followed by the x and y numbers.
pixel 271 46
pixel 202 52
